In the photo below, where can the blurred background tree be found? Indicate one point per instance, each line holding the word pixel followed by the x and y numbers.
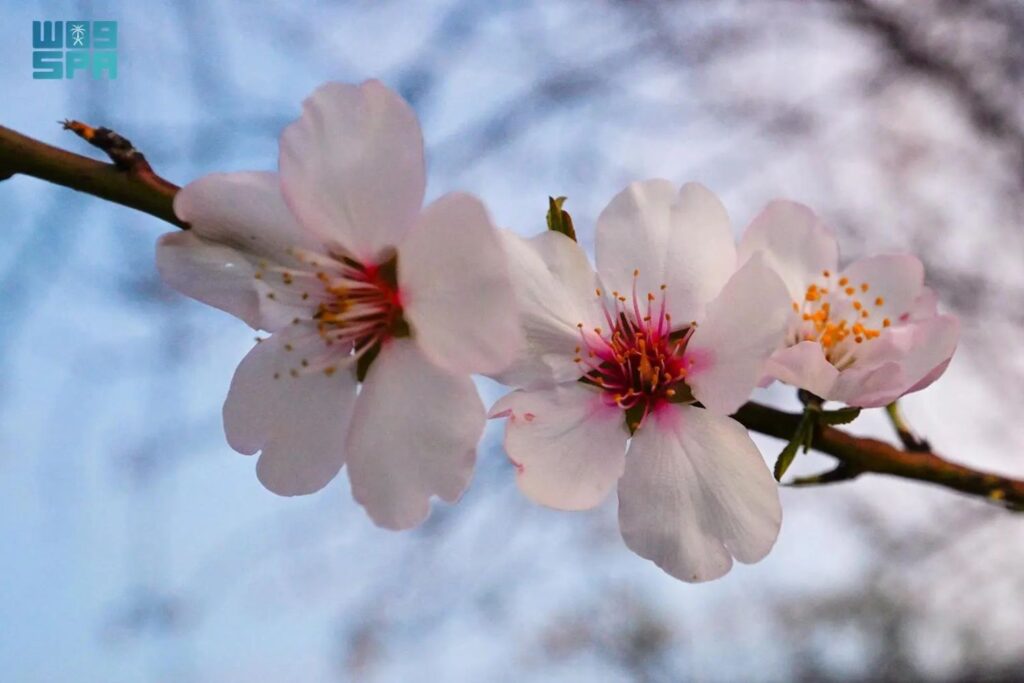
pixel 137 546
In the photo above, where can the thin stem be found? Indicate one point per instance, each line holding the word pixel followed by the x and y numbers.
pixel 133 184
pixel 129 187
pixel 910 440
pixel 871 455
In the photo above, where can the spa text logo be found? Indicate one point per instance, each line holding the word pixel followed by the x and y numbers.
pixel 63 49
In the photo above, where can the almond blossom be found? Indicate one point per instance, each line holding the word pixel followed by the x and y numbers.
pixel 864 335
pixel 616 361
pixel 334 257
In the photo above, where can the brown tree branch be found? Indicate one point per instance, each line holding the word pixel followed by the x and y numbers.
pixel 861 454
pixel 129 182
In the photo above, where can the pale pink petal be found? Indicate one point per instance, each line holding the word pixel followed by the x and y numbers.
pixel 555 288
pixel 226 278
pixel 679 239
pixel 352 167
pixel 903 359
pixel 298 419
pixel 869 387
pixel 455 288
pixel 925 306
pixel 209 272
pixel 930 378
pixel 414 435
pixel 934 342
pixel 795 243
pixel 245 211
pixel 804 365
pixel 745 323
pixel 567 444
pixel 697 494
pixel 894 282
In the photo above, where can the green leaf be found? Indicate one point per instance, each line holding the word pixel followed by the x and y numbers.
pixel 802 437
pixel 839 417
pixel 808 433
pixel 559 220
pixel 786 457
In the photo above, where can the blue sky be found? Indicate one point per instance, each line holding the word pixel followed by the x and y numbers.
pixel 135 545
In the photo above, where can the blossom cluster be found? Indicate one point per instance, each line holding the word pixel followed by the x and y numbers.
pixel 623 375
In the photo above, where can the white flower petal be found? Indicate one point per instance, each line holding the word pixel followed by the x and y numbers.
pixel 568 446
pixel 455 288
pixel 908 358
pixel 555 288
pixel 795 243
pixel 298 419
pixel 682 240
pixel 804 365
pixel 925 306
pixel 212 273
pixel 696 494
pixel 352 167
pixel 934 341
pixel 744 325
pixel 414 434
pixel 869 386
pixel 894 283
pixel 245 211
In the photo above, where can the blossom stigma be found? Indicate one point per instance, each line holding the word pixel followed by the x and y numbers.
pixel 352 307
pixel 840 315
pixel 639 361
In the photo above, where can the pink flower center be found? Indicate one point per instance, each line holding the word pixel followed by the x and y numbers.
pixel 638 361
pixel 356 306
pixel 362 308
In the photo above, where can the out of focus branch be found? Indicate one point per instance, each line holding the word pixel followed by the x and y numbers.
pixel 905 42
pixel 860 454
pixel 129 181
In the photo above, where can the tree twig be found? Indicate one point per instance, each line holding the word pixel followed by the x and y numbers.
pixel 130 182
pixel 908 437
pixel 870 455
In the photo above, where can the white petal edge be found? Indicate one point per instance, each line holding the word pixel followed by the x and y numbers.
pixel 217 275
pixel 352 167
pixel 299 420
pixel 414 435
pixel 895 281
pixel 696 494
pixel 455 287
pixel 744 325
pixel 794 242
pixel 804 365
pixel 243 210
pixel 568 446
pixel 679 239
pixel 555 290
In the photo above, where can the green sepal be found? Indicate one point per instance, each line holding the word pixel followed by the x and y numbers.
pixel 841 416
pixel 802 437
pixel 559 220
